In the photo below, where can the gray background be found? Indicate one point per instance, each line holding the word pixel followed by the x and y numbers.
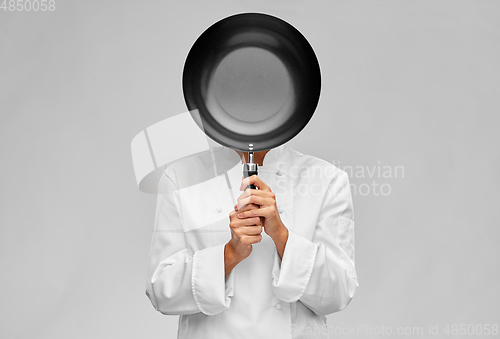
pixel 405 83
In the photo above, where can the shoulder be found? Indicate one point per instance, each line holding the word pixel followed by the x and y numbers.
pixel 200 167
pixel 188 170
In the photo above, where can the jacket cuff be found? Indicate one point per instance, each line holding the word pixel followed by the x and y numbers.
pixel 291 274
pixel 212 292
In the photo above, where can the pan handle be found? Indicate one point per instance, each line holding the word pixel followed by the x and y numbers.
pixel 250 169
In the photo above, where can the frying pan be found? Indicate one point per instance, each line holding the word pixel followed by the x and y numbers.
pixel 252 82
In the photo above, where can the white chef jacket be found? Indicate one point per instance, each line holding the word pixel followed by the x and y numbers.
pixel 263 296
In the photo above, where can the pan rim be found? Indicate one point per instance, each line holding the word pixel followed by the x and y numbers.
pixel 296 54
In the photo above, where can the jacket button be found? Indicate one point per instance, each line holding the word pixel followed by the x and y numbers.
pixel 219 209
pixel 280 209
pixel 278 306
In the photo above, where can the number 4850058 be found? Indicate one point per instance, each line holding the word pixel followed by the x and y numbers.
pixel 28 5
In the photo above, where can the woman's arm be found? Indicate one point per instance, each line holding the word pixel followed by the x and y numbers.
pixel 178 283
pixel 231 259
pixel 320 272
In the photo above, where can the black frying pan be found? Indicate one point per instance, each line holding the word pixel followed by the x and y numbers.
pixel 252 82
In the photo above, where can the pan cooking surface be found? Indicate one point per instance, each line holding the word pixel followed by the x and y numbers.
pixel 250 91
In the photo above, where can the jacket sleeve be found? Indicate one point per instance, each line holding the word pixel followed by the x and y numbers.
pixel 179 283
pixel 321 273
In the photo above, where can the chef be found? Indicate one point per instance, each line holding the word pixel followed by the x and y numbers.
pixel 270 262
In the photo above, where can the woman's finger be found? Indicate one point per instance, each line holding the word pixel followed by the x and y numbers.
pixel 253 221
pixel 253 180
pixel 257 200
pixel 260 193
pixel 247 230
pixel 266 212
pixel 252 230
pixel 251 239
pixel 246 207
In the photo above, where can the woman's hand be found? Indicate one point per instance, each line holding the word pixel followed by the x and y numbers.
pixel 244 232
pixel 268 210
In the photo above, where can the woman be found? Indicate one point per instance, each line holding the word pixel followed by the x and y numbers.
pixel 270 264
